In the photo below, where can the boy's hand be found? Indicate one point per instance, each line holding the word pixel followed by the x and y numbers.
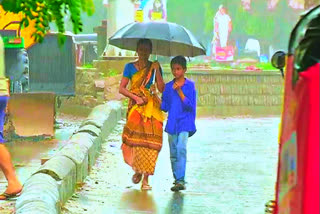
pixel 176 86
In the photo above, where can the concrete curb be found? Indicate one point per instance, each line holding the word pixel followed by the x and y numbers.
pixel 86 140
pixel 40 195
pixel 48 189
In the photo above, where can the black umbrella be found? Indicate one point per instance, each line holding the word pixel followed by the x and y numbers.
pixel 168 39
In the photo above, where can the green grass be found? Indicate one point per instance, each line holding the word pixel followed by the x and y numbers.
pixel 112 72
pixel 266 66
pixel 226 66
pixel 125 102
pixel 87 66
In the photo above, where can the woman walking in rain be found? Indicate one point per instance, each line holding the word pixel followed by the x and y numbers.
pixel 142 133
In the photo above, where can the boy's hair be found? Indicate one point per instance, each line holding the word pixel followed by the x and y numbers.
pixel 180 60
pixel 145 42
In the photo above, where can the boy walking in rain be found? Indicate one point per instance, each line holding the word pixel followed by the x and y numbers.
pixel 179 100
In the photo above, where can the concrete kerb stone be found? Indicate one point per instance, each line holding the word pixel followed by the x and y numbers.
pixel 100 111
pixel 96 123
pixel 98 116
pixel 91 129
pixel 95 132
pixel 97 144
pixel 63 170
pixel 78 153
pixel 116 107
pixel 114 117
pixel 39 195
pixel 86 140
pixel 77 158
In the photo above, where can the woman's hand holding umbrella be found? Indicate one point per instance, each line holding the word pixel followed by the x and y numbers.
pixel 155 65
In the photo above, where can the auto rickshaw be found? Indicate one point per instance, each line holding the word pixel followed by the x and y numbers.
pixel 297 186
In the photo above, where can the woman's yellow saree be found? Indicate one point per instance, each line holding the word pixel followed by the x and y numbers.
pixel 142 133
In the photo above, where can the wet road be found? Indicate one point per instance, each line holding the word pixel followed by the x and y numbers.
pixel 26 155
pixel 231 169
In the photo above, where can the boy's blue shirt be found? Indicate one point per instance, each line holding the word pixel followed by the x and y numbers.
pixel 181 114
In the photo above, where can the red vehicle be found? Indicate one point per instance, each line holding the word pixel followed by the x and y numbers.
pixel 297 187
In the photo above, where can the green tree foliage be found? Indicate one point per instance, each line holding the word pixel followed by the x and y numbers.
pixel 89 21
pixel 47 11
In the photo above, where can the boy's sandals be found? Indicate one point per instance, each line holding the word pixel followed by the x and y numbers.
pixel 146 187
pixel 177 187
pixel 136 178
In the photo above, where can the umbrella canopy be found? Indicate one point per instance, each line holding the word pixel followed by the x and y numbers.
pixel 168 39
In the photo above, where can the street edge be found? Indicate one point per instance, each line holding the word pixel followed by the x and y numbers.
pixel 49 188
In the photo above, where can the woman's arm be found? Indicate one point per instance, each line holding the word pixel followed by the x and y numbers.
pixel 124 91
pixel 159 79
pixel 165 102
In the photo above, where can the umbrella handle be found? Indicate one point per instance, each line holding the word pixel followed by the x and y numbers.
pixel 154 76
pixel 154 72
pixel 147 78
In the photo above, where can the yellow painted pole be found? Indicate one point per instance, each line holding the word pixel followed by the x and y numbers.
pixel 4 87
pixel 2 68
